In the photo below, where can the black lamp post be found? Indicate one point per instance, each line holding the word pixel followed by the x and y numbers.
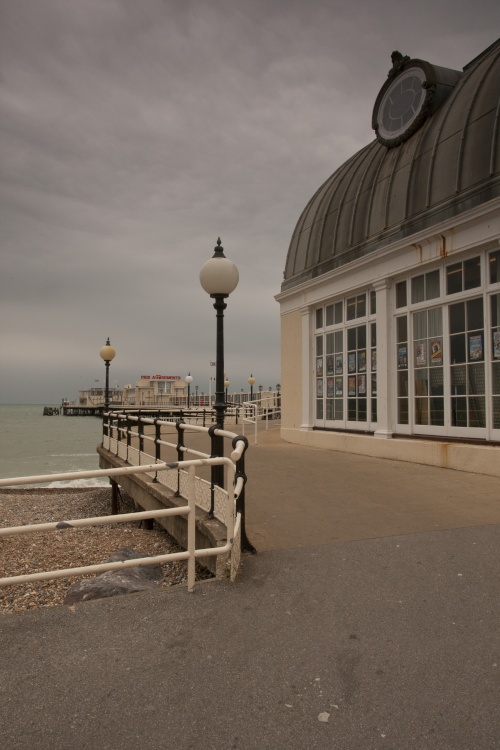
pixel 219 277
pixel 251 381
pixel 107 353
pixel 189 380
pixel 227 383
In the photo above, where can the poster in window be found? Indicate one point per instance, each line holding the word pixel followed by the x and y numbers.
pixel 436 352
pixel 374 360
pixel 339 386
pixel 420 355
pixel 351 362
pixel 319 366
pixel 496 344
pixel 402 357
pixel 475 347
pixel 351 385
pixel 362 360
pixel 329 387
pixel 319 387
pixel 339 364
pixel 362 385
pixel 329 365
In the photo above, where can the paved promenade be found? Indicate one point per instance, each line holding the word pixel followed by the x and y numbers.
pixel 369 619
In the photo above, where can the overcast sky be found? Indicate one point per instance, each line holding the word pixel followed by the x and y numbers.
pixel 133 133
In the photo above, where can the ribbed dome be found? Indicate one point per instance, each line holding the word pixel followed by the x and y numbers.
pixel 450 165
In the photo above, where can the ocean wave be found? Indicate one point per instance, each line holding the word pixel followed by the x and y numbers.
pixel 91 482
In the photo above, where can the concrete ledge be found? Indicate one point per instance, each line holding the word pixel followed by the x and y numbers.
pixel 478 459
pixel 149 495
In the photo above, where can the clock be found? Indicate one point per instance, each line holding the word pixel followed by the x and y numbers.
pixel 404 102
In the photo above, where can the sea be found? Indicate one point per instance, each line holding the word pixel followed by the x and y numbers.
pixel 33 444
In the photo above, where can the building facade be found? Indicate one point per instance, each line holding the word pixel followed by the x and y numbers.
pixel 390 304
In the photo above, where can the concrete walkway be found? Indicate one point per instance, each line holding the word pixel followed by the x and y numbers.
pixel 369 619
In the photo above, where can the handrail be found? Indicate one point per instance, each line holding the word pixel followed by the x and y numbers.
pixel 117 431
pixel 233 521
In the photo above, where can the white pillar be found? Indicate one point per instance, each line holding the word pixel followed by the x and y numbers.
pixel 385 364
pixel 307 389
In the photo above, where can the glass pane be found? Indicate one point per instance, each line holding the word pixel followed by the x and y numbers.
pixel 374 385
pixel 457 318
pixel 432 285
pixel 362 410
pixel 319 346
pixel 361 306
pixel 472 273
pixel 319 318
pixel 329 408
pixel 329 343
pixel 457 348
pixel 496 412
pixel 319 409
pixel 402 329
pixel 402 411
pixel 403 384
pixel 351 308
pixel 374 410
pixel 329 315
pixel 495 377
pixel 401 294
pixel 361 337
pixel 435 322
pixel 437 411
pixel 421 411
pixel 338 341
pixel 475 347
pixel 338 312
pixel 421 383
pixel 420 325
pixel 418 289
pixel 495 311
pixel 476 379
pixel 373 329
pixel 454 278
pixel 436 381
pixel 477 412
pixel 339 409
pixel 351 409
pixel 475 318
pixel 459 412
pixel 351 339
pixel 458 380
pixel 495 267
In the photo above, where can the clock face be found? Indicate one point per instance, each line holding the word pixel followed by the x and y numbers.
pixel 400 106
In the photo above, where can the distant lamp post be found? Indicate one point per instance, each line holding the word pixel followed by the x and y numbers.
pixel 189 380
pixel 219 277
pixel 107 353
pixel 227 383
pixel 251 381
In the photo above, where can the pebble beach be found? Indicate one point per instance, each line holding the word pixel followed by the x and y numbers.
pixel 30 553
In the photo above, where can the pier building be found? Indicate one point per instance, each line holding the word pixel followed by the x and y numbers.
pixel 390 302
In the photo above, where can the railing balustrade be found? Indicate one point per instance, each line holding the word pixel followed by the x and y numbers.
pixel 120 438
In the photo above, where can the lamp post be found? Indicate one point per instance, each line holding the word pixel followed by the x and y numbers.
pixel 107 353
pixel 251 381
pixel 219 277
pixel 227 383
pixel 189 380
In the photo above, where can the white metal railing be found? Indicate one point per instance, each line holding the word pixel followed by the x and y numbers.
pixel 225 506
pixel 260 413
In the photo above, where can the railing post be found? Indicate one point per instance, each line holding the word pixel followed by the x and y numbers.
pixel 180 453
pixel 191 541
pixel 240 502
pixel 140 430
pixel 129 436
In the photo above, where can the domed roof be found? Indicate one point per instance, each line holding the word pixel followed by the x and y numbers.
pixel 449 163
